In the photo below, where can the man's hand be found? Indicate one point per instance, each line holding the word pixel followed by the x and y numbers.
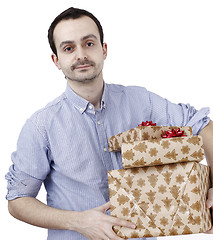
pixel 207 135
pixel 209 204
pixel 93 224
pixel 96 224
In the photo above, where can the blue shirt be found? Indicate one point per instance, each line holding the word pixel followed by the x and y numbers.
pixel 65 145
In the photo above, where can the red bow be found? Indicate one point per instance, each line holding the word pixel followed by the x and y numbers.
pixel 173 133
pixel 147 123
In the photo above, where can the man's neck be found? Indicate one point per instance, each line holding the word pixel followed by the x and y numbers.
pixel 91 91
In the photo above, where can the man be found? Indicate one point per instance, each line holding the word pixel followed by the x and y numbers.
pixel 64 145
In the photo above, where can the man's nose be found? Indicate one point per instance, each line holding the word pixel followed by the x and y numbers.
pixel 81 54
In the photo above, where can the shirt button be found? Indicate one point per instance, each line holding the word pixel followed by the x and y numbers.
pixel 105 149
pixel 90 107
pixel 98 122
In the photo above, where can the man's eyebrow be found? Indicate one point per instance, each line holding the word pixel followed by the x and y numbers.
pixel 66 42
pixel 88 36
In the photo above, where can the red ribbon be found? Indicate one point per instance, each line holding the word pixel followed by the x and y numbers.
pixel 147 123
pixel 173 133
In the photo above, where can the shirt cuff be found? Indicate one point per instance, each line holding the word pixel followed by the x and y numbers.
pixel 21 185
pixel 199 120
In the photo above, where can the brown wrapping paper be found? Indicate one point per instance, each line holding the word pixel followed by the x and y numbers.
pixel 141 133
pixel 162 151
pixel 161 200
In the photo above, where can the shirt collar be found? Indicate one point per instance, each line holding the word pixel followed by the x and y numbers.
pixel 80 103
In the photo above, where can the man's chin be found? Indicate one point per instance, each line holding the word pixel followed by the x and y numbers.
pixel 82 79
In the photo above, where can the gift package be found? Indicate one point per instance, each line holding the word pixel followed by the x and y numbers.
pixel 163 187
pixel 141 133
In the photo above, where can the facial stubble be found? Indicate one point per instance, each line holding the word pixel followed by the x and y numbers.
pixel 85 79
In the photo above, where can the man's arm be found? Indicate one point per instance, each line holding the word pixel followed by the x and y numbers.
pixel 207 135
pixel 93 223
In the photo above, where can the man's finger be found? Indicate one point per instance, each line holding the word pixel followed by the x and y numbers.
pixel 114 236
pixel 209 202
pixel 103 208
pixel 210 231
pixel 122 223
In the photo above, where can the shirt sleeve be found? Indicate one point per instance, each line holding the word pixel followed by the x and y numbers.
pixel 30 163
pixel 164 112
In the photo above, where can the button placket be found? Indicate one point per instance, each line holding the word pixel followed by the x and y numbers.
pixel 103 141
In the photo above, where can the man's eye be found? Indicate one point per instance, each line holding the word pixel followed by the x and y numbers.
pixel 90 44
pixel 68 49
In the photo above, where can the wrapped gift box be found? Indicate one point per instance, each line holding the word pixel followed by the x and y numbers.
pixel 160 190
pixel 162 151
pixel 141 133
pixel 161 200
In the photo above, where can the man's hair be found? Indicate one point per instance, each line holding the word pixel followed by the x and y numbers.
pixel 71 13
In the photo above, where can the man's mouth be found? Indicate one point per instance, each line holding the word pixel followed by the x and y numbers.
pixel 83 66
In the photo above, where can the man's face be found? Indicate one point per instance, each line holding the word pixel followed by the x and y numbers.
pixel 80 53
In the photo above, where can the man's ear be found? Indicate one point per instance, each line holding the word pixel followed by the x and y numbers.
pixel 105 50
pixel 56 61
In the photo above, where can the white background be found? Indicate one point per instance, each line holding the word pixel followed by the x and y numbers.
pixel 164 45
